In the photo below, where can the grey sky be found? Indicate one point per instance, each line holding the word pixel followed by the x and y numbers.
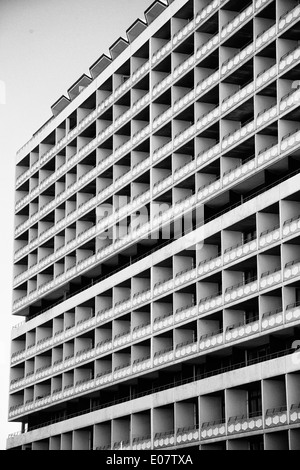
pixel 45 45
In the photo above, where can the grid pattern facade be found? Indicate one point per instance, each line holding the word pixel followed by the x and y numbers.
pixel 157 241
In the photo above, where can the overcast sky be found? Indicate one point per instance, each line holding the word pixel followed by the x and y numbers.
pixel 45 45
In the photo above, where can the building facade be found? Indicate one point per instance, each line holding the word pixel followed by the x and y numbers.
pixel 157 241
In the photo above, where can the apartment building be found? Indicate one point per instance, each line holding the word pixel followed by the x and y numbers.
pixel 157 241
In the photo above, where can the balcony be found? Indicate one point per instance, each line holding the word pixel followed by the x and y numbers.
pixel 141 443
pixel 164 439
pixel 264 77
pixel 163 356
pixel 230 64
pixel 239 250
pixel 290 100
pixel 187 435
pixel 141 364
pixel 141 331
pixel 186 349
pixel 288 18
pixel 270 278
pixel 209 265
pixel 93 173
pixel 110 250
pixel 241 290
pixel 237 136
pixel 211 302
pixel 236 98
pixel 270 236
pixel 242 329
pixel 121 445
pixel 185 276
pixel 292 269
pixel 295 414
pixel 289 59
pixel 272 319
pixel 276 417
pixel 104 346
pixel 292 312
pixel 163 322
pixel 123 371
pixel 211 340
pixel 245 423
pixel 263 38
pixel 291 226
pixel 184 32
pixel 265 157
pixel 213 429
pixel 122 338
pixel 235 24
pixel 184 313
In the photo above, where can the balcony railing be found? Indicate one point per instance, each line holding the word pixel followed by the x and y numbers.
pixel 295 413
pixel 276 417
pixel 212 429
pixel 69 391
pixel 141 442
pixel 244 288
pixel 164 439
pixel 187 434
pixel 106 252
pixel 245 423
